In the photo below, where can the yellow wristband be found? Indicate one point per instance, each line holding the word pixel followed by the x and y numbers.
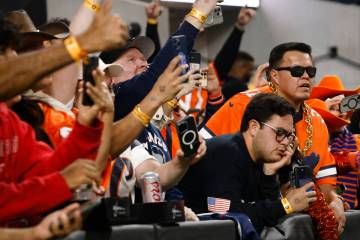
pixel 286 205
pixel 172 103
pixel 91 5
pixel 143 117
pixel 198 15
pixel 152 21
pixel 74 49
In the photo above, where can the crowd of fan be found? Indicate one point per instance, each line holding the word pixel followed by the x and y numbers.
pixel 252 128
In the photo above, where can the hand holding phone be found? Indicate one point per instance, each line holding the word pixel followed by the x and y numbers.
pixel 350 103
pixel 215 17
pixel 89 67
pixel 300 176
pixel 180 47
pixel 188 136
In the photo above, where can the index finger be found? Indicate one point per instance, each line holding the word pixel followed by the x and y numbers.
pixel 106 7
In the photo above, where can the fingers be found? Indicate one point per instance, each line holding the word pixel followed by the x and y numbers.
pixel 106 7
pixel 307 186
pixel 312 199
pixel 173 64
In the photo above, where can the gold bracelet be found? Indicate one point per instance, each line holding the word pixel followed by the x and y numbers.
pixel 92 6
pixel 286 205
pixel 152 21
pixel 143 117
pixel 198 15
pixel 172 103
pixel 74 49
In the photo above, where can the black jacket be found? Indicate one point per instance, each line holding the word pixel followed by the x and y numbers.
pixel 227 171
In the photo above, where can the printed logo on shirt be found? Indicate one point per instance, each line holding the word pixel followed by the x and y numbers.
pixel 65 132
pixel 152 138
pixel 312 160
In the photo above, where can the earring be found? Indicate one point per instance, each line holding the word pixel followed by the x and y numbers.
pixel 273 88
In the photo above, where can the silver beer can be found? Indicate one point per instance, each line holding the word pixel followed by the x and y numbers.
pixel 151 187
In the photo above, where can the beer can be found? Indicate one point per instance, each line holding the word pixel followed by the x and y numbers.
pixel 151 187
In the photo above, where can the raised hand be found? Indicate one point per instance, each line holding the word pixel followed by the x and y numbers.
pixel 205 6
pixel 105 32
pixel 245 16
pixel 170 83
pixel 101 97
pixel 154 9
pixel 258 79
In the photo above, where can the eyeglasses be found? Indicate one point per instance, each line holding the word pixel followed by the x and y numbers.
pixel 298 71
pixel 281 134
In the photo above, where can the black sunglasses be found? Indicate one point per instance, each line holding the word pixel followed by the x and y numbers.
pixel 298 71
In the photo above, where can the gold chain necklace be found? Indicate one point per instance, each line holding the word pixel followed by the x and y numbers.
pixel 309 130
pixel 308 121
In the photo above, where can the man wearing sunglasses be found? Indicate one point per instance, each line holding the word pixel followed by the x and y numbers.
pixel 290 74
pixel 242 167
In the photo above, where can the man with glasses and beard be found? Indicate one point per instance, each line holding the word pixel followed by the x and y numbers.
pixel 291 73
pixel 241 168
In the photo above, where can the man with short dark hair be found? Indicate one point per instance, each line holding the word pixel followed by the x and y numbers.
pixel 291 74
pixel 242 167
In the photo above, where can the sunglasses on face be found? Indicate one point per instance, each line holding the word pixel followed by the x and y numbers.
pixel 281 134
pixel 298 71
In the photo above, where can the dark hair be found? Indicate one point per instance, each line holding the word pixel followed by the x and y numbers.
pixel 30 112
pixel 278 52
pixel 263 106
pixel 10 35
pixel 244 56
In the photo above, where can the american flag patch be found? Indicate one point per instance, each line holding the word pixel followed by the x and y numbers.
pixel 218 205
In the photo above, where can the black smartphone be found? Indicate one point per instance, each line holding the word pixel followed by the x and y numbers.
pixel 188 136
pixel 88 67
pixel 195 61
pixel 350 103
pixel 86 208
pixel 301 176
pixel 180 46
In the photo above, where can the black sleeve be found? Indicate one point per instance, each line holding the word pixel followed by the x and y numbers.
pixel 226 57
pixel 270 187
pixel 153 34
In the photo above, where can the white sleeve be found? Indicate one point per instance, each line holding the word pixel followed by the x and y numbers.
pixel 139 154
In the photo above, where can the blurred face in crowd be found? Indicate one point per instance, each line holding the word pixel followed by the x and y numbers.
pixel 294 89
pixel 242 70
pixel 133 62
pixel 269 140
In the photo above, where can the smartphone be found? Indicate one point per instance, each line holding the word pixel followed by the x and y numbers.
pixel 204 76
pixel 92 64
pixel 350 103
pixel 85 209
pixel 195 61
pixel 301 176
pixel 180 46
pixel 188 136
pixel 215 17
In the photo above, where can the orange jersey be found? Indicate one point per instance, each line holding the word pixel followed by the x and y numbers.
pixel 170 136
pixel 57 124
pixel 197 99
pixel 228 120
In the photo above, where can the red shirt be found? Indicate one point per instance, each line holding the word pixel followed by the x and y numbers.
pixel 30 182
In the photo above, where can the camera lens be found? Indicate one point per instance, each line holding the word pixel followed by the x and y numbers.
pixel 352 103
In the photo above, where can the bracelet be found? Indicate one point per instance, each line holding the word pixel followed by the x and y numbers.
pixel 152 21
pixel 143 117
pixel 172 103
pixel 286 205
pixel 92 6
pixel 74 49
pixel 198 15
